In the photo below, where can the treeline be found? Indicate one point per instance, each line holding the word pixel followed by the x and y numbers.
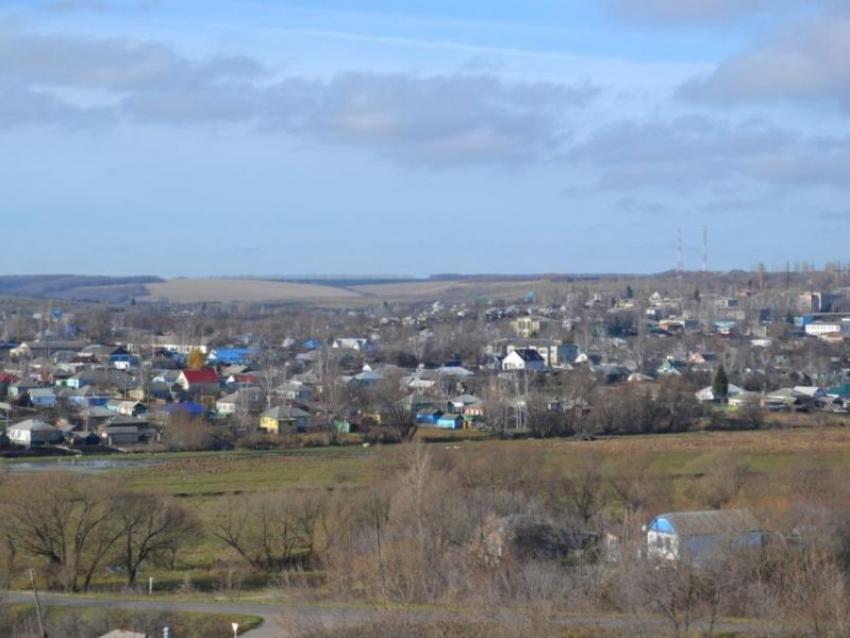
pixel 515 529
pixel 67 286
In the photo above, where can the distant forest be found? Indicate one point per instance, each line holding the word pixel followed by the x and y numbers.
pixel 76 287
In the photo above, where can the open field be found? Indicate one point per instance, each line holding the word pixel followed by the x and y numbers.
pixel 248 290
pixel 451 290
pixel 677 471
pixel 209 474
pixel 225 290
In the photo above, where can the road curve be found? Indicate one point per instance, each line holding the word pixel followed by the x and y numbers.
pixel 291 620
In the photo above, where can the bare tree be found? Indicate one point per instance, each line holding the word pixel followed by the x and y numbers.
pixel 151 527
pixel 271 530
pixel 69 521
pixel 396 409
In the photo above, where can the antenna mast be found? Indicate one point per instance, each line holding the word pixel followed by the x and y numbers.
pixel 680 259
pixel 705 248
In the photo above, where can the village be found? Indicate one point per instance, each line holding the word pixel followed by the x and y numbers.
pixel 511 368
pixel 636 395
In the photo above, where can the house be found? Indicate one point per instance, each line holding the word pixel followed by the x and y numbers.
pixel 357 345
pixel 126 408
pixel 707 394
pixel 554 354
pixel 459 404
pixel 366 379
pixel 700 536
pixel 94 416
pixel 231 356
pixel 19 388
pixel 42 398
pixel 173 343
pixel 417 402
pixel 236 381
pixel 474 410
pixel 244 400
pixel 202 381
pixel 34 432
pixel 283 419
pixel 450 422
pixel 46 348
pixel 526 327
pixel 523 359
pixel 454 370
pixel 185 408
pixel 120 431
pixel 428 417
pixel 87 396
pixel 823 328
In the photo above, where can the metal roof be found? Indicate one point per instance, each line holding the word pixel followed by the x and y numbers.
pixel 711 522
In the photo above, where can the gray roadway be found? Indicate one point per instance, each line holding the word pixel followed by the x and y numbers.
pixel 290 620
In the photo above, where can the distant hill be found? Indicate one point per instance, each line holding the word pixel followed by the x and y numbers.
pixel 76 287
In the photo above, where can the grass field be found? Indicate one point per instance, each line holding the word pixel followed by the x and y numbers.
pixel 248 290
pixel 225 290
pixel 774 460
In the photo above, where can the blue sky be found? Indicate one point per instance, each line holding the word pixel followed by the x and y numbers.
pixel 189 137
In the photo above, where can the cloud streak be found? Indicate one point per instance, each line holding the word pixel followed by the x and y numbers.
pixel 693 152
pixel 465 118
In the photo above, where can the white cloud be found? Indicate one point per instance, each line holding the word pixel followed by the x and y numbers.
pixel 696 152
pixel 433 119
pixel 428 119
pixel 808 61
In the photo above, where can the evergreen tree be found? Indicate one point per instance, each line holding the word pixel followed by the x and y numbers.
pixel 720 385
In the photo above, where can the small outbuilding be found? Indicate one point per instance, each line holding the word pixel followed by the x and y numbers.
pixel 34 432
pixel 702 536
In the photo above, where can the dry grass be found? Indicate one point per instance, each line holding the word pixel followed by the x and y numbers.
pixel 225 290
pixel 246 290
pixel 453 290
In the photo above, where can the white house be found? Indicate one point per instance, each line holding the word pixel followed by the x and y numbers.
pixel 34 432
pixel 350 343
pixel 554 353
pixel 821 328
pixel 707 394
pixel 523 359
pixel 700 536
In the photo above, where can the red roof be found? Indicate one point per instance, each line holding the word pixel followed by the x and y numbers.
pixel 7 379
pixel 244 378
pixel 201 376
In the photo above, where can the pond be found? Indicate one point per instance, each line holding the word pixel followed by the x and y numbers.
pixel 89 466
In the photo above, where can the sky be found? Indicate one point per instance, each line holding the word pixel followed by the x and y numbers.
pixel 259 137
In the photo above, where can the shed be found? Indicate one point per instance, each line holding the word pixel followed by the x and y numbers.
pixel 34 432
pixel 703 535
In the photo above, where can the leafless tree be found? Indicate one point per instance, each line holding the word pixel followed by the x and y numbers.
pixel 152 527
pixel 69 521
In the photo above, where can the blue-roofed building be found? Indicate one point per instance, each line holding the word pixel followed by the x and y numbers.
pixel 701 536
pixel 313 344
pixel 231 356
pixel 188 408
pixel 428 417
pixel 450 422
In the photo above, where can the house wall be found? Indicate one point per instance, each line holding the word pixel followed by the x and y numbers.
pixel 662 545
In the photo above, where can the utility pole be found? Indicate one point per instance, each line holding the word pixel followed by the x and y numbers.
pixel 37 605
pixel 680 254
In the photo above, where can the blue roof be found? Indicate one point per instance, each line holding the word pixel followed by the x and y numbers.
pixel 189 407
pixel 662 525
pixel 231 355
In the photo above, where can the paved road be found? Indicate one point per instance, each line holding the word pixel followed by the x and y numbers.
pixel 289 621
